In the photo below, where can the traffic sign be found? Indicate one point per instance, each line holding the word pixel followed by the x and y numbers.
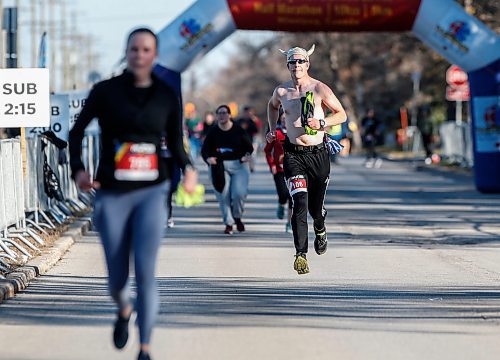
pixel 455 76
pixel 458 93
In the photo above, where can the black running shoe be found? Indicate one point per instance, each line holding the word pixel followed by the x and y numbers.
pixel 239 225
pixel 320 243
pixel 228 230
pixel 120 333
pixel 144 356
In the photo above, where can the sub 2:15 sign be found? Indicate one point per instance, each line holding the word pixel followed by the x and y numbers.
pixel 24 100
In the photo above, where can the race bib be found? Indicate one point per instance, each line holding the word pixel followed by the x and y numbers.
pixel 297 184
pixel 136 162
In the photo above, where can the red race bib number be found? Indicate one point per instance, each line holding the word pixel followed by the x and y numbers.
pixel 136 162
pixel 297 184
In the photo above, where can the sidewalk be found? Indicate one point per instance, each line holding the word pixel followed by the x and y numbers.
pixel 411 272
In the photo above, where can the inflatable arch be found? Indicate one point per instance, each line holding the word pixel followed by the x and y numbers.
pixel 441 24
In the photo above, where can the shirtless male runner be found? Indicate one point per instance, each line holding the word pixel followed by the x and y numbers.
pixel 307 162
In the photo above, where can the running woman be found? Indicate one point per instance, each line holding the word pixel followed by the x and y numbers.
pixel 134 110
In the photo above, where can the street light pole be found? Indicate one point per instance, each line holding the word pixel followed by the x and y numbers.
pixel 51 29
pixel 1 36
pixel 34 40
pixel 415 76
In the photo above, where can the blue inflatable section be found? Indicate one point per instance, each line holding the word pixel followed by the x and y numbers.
pixel 172 78
pixel 443 25
pixel 485 95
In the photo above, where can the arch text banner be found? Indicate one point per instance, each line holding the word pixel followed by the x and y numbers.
pixel 325 15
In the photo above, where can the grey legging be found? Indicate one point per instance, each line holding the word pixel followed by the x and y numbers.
pixel 133 221
pixel 232 198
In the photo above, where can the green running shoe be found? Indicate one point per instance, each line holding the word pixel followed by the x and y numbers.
pixel 300 264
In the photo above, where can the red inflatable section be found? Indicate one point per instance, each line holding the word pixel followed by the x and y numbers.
pixel 325 15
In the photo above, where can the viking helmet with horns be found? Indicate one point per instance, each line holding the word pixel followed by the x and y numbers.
pixel 298 51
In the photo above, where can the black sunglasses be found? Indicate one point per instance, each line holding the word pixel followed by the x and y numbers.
pixel 296 61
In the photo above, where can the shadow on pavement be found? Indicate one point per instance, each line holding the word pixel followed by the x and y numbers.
pixel 232 302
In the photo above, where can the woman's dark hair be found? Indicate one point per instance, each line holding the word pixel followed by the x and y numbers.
pixel 142 30
pixel 225 107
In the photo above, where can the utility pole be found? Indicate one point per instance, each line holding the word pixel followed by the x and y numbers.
pixel 17 37
pixel 73 58
pixel 1 37
pixel 91 59
pixel 43 20
pixel 10 25
pixel 34 36
pixel 64 47
pixel 415 77
pixel 52 46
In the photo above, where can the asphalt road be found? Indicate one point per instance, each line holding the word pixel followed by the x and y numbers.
pixel 412 272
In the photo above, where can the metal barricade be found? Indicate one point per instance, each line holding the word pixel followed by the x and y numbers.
pixel 31 191
pixel 3 210
pixel 413 140
pixel 13 192
pixel 21 232
pixel 9 182
pixel 43 199
pixel 4 224
pixel 18 183
pixel 456 142
pixel 23 197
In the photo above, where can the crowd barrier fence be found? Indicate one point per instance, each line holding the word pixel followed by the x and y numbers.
pixel 456 143
pixel 27 212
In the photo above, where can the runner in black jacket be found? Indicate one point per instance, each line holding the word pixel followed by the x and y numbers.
pixel 134 110
pixel 227 149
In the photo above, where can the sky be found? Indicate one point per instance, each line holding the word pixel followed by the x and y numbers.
pixel 109 22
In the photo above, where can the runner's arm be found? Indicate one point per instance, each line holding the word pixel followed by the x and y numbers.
pixel 329 99
pixel 272 111
pixel 174 133
pixel 90 111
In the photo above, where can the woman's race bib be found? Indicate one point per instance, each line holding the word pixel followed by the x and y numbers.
pixel 136 162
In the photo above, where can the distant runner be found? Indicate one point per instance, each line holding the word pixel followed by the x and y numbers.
pixel 274 157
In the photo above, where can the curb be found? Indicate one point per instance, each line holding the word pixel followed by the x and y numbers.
pixel 418 165
pixel 20 278
pixel 446 170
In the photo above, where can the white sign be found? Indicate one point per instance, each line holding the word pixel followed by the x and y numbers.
pixel 24 98
pixel 75 105
pixel 458 93
pixel 455 76
pixel 59 118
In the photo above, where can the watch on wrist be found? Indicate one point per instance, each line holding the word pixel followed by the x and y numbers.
pixel 322 123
